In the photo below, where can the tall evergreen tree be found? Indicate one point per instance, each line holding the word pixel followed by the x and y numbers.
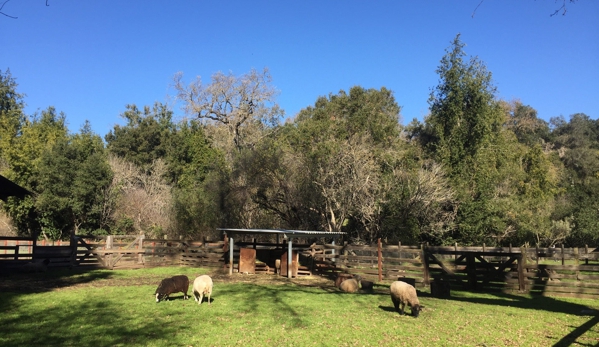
pixel 464 134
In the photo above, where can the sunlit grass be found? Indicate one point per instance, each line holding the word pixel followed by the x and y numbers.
pixel 282 315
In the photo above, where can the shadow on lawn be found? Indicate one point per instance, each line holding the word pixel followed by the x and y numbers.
pixel 88 324
pixel 53 279
pixel 534 302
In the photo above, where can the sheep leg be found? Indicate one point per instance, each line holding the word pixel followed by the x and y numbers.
pixel 402 306
pixel 201 298
pixel 396 304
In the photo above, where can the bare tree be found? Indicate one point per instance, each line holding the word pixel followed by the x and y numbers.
pixel 9 16
pixel 144 198
pixel 431 200
pixel 242 105
pixel 349 181
pixel 563 9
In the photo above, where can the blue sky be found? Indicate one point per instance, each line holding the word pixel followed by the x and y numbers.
pixel 91 58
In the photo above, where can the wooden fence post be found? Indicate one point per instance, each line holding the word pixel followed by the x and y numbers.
pixel 455 257
pixel 586 253
pixel 109 244
pixel 522 269
pixel 399 252
pixel 140 246
pixel 563 258
pixel 73 245
pixel 380 259
pixel 426 279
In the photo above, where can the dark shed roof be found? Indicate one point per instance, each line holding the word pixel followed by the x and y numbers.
pixel 9 188
pixel 286 233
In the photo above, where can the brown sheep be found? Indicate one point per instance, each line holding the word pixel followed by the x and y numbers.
pixel 36 266
pixel 172 285
pixel 403 293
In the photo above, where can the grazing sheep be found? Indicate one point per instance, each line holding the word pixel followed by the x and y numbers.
pixel 202 285
pixel 351 285
pixel 36 266
pixel 403 293
pixel 172 285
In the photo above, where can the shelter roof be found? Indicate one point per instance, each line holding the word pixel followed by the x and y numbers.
pixel 284 232
pixel 9 188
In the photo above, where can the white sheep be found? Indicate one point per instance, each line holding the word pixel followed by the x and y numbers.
pixel 351 285
pixel 202 285
pixel 403 293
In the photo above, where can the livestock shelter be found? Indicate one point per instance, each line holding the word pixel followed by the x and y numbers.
pixel 9 188
pixel 288 235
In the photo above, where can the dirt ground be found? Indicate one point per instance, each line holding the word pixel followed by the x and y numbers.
pixel 76 278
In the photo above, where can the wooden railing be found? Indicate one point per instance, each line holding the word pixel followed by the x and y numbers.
pixel 557 271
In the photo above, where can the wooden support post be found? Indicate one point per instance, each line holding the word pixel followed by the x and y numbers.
pixel 231 255
pixel 563 257
pixel 289 257
pixel 380 259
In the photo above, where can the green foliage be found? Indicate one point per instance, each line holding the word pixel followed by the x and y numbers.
pixel 145 136
pixel 345 144
pixel 464 116
pixel 577 143
pixel 11 116
pixel 505 188
pixel 36 136
pixel 73 177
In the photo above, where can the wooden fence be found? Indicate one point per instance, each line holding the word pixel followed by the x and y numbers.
pixel 17 251
pixel 572 272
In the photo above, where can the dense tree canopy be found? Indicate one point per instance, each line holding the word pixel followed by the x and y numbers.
pixel 476 170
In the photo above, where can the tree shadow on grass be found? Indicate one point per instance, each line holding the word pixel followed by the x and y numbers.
pixel 84 324
pixel 542 303
pixel 534 302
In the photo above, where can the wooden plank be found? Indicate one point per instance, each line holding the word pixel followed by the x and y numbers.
pixel 118 251
pixel 591 268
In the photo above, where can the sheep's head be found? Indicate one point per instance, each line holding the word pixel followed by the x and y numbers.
pixel 162 291
pixel 416 310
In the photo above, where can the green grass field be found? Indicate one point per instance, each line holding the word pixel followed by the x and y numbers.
pixel 117 308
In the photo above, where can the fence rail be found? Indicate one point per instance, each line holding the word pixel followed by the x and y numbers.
pixel 560 271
